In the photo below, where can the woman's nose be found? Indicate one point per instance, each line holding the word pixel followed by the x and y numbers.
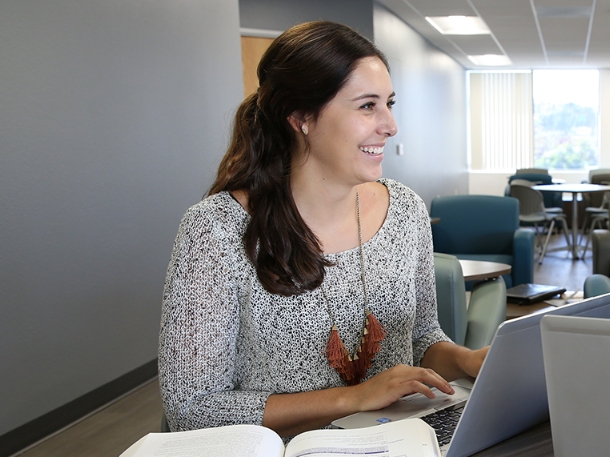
pixel 388 125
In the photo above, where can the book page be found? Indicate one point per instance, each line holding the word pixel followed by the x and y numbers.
pixel 407 437
pixel 229 441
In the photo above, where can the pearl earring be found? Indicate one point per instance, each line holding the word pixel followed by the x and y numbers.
pixel 304 129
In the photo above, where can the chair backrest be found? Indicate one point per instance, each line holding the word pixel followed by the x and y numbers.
pixel 537 178
pixel 451 297
pixel 486 311
pixel 596 284
pixel 532 170
pixel 597 171
pixel 530 200
pixel 601 251
pixel 475 224
pixel 596 198
pixel 551 199
pixel 473 325
pixel 522 182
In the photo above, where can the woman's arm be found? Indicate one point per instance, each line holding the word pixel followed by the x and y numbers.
pixel 199 327
pixel 290 414
pixel 452 361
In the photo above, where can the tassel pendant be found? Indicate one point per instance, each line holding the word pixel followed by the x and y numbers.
pixel 353 368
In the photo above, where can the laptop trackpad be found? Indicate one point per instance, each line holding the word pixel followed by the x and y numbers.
pixel 414 405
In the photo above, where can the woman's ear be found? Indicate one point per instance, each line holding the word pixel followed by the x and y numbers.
pixel 298 123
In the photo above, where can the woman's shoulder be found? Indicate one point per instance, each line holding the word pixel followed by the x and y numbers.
pixel 400 193
pixel 218 210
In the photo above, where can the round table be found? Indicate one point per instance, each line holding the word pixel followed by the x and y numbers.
pixel 475 270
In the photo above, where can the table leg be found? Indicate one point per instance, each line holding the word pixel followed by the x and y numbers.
pixel 575 254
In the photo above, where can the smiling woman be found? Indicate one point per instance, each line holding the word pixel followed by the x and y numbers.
pixel 300 251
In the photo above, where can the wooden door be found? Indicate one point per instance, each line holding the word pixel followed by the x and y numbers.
pixel 252 49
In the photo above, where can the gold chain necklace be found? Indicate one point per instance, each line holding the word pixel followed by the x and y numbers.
pixel 352 367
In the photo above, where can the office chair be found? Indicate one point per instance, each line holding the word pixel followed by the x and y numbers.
pixel 532 211
pixel 484 227
pixel 473 325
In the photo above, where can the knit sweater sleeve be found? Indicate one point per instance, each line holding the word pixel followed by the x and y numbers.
pixel 199 327
pixel 426 329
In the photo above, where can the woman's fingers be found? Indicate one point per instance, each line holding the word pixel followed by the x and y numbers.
pixel 396 382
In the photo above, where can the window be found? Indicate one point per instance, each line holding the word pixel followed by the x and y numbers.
pixel 543 119
pixel 566 105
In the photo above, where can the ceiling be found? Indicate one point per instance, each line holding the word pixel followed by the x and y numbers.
pixel 534 34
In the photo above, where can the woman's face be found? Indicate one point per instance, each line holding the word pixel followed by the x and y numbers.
pixel 346 141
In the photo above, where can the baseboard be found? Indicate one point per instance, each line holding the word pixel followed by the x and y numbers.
pixel 47 424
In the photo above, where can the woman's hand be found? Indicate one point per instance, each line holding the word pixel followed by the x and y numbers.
pixel 394 383
pixel 290 414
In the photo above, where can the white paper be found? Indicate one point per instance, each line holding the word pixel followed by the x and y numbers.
pixel 230 441
pixel 407 437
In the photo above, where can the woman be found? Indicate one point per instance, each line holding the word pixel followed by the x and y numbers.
pixel 300 251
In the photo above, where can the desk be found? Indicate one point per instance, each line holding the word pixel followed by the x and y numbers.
pixel 574 189
pixel 475 270
pixel 536 441
pixel 514 310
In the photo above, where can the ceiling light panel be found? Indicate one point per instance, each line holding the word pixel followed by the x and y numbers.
pixel 490 60
pixel 459 25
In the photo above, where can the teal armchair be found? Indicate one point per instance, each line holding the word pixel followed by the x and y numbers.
pixel 473 325
pixel 484 227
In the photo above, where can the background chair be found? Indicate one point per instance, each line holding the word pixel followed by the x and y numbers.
pixel 596 284
pixel 473 325
pixel 532 170
pixel 484 227
pixel 601 252
pixel 553 201
pixel 594 199
pixel 599 282
pixel 532 211
pixel 595 217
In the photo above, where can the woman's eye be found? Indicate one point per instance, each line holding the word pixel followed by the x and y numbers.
pixel 369 105
pixel 391 103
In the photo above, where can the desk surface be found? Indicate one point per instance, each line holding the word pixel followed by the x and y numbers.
pixel 475 270
pixel 536 441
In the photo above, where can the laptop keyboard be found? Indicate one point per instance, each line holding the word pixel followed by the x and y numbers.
pixel 444 422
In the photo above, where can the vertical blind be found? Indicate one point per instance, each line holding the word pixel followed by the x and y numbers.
pixel 501 121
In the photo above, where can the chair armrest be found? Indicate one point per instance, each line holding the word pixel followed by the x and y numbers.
pixel 601 252
pixel 596 284
pixel 486 311
pixel 523 255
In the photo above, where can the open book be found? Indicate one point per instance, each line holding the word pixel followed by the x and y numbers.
pixel 412 437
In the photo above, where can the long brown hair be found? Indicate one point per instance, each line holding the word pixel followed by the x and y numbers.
pixel 301 71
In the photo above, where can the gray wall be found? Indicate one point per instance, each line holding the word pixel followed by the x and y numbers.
pixel 280 15
pixel 430 112
pixel 113 116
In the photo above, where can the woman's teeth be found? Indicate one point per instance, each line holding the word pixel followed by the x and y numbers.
pixel 375 151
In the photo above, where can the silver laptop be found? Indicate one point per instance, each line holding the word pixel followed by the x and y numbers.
pixel 577 363
pixel 509 395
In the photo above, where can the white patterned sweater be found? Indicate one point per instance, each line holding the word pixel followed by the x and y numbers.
pixel 226 343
